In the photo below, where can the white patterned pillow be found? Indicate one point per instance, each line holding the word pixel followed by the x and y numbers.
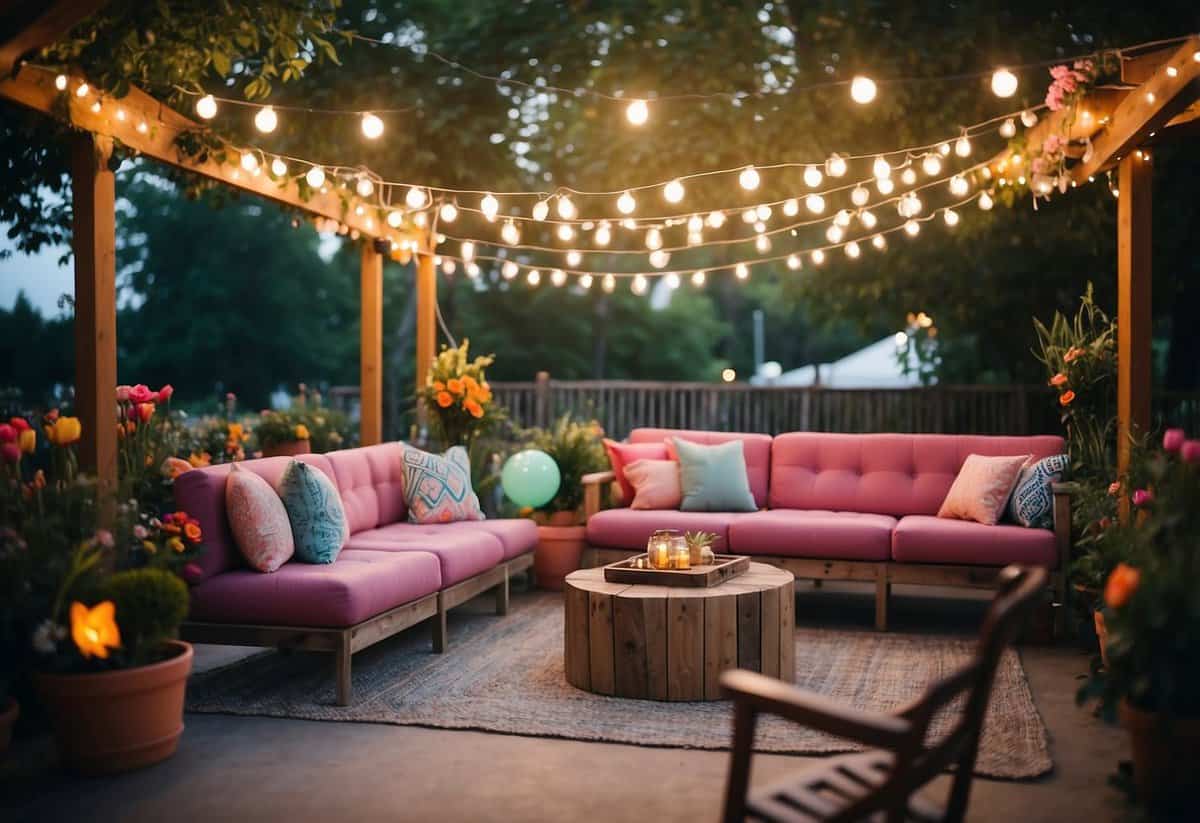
pixel 437 488
pixel 1032 503
pixel 258 520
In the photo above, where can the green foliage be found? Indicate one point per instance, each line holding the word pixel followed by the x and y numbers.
pixel 151 603
pixel 279 426
pixel 457 400
pixel 575 445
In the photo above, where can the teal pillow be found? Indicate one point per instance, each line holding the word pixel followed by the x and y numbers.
pixel 319 525
pixel 713 478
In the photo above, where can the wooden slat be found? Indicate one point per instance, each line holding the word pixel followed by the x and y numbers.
pixel 600 642
pixel 1133 304
pixel 749 608
pixel 370 352
pixel 576 657
pixel 770 654
pixel 426 317
pixel 787 633
pixel 720 642
pixel 685 645
pixel 629 641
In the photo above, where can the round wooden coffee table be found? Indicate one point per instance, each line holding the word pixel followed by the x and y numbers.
pixel 666 643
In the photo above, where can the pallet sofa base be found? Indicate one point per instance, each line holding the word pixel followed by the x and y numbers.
pixel 344 642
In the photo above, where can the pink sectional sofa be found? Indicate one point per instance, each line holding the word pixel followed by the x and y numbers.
pixel 390 575
pixel 852 507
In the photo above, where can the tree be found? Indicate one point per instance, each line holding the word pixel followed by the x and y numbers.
pixel 38 355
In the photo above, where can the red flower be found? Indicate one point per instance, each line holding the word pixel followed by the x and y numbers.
pixel 141 394
pixel 1173 440
pixel 10 452
pixel 1066 397
pixel 20 424
pixel 1143 497
pixel 164 394
pixel 1190 451
pixel 7 433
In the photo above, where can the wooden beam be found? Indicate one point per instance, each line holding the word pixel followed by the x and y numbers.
pixel 94 243
pixel 150 127
pixel 1139 66
pixel 426 314
pixel 1091 118
pixel 42 29
pixel 371 346
pixel 1133 302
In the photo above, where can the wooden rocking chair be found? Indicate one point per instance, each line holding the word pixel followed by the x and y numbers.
pixel 879 784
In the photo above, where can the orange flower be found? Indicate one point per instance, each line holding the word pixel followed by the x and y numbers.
pixel 454 385
pixel 1122 583
pixel 444 399
pixel 1066 397
pixel 438 385
pixel 192 532
pixel 1073 353
pixel 473 408
pixel 172 467
pixel 301 431
pixel 470 382
pixel 200 460
pixel 1059 379
pixel 95 630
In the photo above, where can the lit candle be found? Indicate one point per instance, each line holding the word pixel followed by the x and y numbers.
pixel 681 555
pixel 660 554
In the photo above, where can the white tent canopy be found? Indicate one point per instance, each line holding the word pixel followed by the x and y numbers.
pixel 875 367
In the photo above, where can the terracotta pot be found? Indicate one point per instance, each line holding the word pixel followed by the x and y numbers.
pixel 557 554
pixel 121 720
pixel 563 519
pixel 288 449
pixel 1166 754
pixel 1101 635
pixel 8 719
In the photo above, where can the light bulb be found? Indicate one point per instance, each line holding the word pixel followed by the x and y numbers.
pixel 698 278
pixel 748 179
pixel 573 258
pixel 509 233
pixel 266 120
pixel 862 89
pixel 417 198
pixel 672 280
pixel 715 219
pixel 659 258
pixel 566 209
pixel 859 196
pixel 853 250
pixel 585 282
pixel 60 82
pixel 626 204
pixel 695 224
pixel 395 218
pixel 206 106
pixel 762 243
pixel 82 90
pixel 558 277
pixel 372 126
pixel 881 169
pixel 1008 128
pixel 818 257
pixel 912 228
pixel 1004 83
pixel 279 167
pixel 1029 118
pixel 931 164
pixel 793 262
pixel 908 177
pixel 834 234
pixel 815 203
pixel 654 239
pixel 639 284
pixel 885 185
pixel 762 212
pixel 962 146
pixel 448 212
pixel 951 217
pixel 791 207
pixel 472 270
pixel 813 177
pixel 509 270
pixel 603 234
pixel 985 201
pixel 534 277
pixel 959 185
pixel 879 242
pixel 760 226
pixel 95 107
pixel 842 218
pixel 914 204
pixel 142 127
pixel 565 232
pixel 673 191
pixel 944 149
pixel 249 161
pixel 741 271
pixel 628 223
pixel 609 283
pixel 868 219
pixel 637 112
pixel 749 216
pixel 835 166
pixel 364 187
pixel 449 267
pixel 489 205
pixel 467 250
pixel 419 219
pixel 541 209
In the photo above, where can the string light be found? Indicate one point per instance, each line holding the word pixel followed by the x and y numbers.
pixel 472 270
pixel 558 277
pixel 626 204
pixel 1004 83
pixel 279 167
pixel 654 239
pixel 815 203
pixel 749 216
pixel 793 262
pixel 881 169
pixel 962 146
pixel 1008 128
pixel 449 267
pixel 673 191
pixel 741 271
pixel 760 226
pixel 818 257
pixel 879 242
pixel 867 219
pixel 698 278
pixel 885 186
pixel 448 212
pixel 842 218
pixel 791 207
pixel 417 198
pixel 640 284
pixel 585 282
pixel 908 177
pixel 951 217
pixel 509 233
pixel 364 187
pixel 862 89
pixel 672 280
pixel 603 234
pixel 912 228
pixel 852 250
pixel 96 107
pixel 489 206
pixel 762 243
pixel 931 164
pixel 315 177
pixel 395 218
pixel 467 250
pixel 835 166
pixel 609 283
pixel 748 179
pixel 813 177
pixel 372 126
pixel 695 224
pixel 985 201
pixel 509 270
pixel 60 82
pixel 206 107
pixel 249 162
pixel 266 120
pixel 566 208
pixel 860 195
pixel 715 219
pixel 534 277
pixel 574 258
pixel 541 209
pixel 762 212
pixel 637 112
pixel 1029 118
pixel 834 234
pixel 565 232
pixel 659 258
pixel 959 185
pixel 82 90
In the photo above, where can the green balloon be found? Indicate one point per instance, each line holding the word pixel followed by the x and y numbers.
pixel 530 478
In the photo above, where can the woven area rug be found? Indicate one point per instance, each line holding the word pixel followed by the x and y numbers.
pixel 506 675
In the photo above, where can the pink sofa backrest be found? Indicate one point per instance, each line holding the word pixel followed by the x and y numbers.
pixel 757 448
pixel 896 474
pixel 371 482
pixel 201 493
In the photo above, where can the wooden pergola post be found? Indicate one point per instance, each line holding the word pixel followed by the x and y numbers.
pixel 426 311
pixel 94 243
pixel 370 355
pixel 1133 300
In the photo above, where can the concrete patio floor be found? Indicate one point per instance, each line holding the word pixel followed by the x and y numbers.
pixel 263 769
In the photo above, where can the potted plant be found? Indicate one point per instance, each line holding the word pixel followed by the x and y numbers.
pixel 282 434
pixel 1154 627
pixel 576 447
pixel 456 398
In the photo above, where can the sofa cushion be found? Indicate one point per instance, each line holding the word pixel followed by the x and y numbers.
pixel 712 478
pixel 258 521
pixel 437 487
pixel 655 484
pixel 924 539
pixel 982 488
pixel 315 510
pixel 896 474
pixel 517 535
pixel 462 553
pixel 631 528
pixel 371 482
pixel 359 585
pixel 819 534
pixel 621 455
pixel 201 493
pixel 756 447
pixel 1032 502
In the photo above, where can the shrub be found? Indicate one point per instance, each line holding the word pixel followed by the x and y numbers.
pixel 577 449
pixel 150 605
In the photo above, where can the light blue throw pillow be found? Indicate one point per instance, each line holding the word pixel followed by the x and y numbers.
pixel 713 478
pixel 1032 502
pixel 314 508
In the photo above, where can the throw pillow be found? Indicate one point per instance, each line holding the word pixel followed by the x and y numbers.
pixel 1032 502
pixel 621 455
pixel 437 488
pixel 713 478
pixel 258 520
pixel 319 525
pixel 981 490
pixel 656 484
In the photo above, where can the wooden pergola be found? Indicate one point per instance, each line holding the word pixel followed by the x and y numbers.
pixel 149 127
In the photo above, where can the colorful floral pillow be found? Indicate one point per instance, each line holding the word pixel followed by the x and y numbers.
pixel 982 488
pixel 622 454
pixel 437 488
pixel 319 524
pixel 1032 503
pixel 656 484
pixel 258 520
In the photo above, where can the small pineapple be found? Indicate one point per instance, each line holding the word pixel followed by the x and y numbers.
pixel 700 547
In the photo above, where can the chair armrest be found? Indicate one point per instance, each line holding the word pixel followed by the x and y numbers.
pixel 1062 522
pixel 593 484
pixel 766 694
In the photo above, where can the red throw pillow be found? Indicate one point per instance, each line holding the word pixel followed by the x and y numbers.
pixel 621 455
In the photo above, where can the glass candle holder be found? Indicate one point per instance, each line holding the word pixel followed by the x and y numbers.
pixel 681 555
pixel 658 550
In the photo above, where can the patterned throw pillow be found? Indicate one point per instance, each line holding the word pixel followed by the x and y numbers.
pixel 319 525
pixel 258 520
pixel 981 490
pixel 1032 503
pixel 437 488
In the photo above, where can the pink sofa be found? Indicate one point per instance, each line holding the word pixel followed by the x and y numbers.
pixel 852 507
pixel 390 575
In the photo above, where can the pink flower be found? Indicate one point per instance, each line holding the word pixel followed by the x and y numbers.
pixel 140 532
pixel 164 394
pixel 192 572
pixel 1052 144
pixel 1190 451
pixel 1173 439
pixel 123 393
pixel 7 433
pixel 141 394
pixel 1143 497
pixel 1114 488
pixel 105 538
pixel 1040 166
pixel 10 452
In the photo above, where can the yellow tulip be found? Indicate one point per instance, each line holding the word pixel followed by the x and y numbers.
pixel 64 431
pixel 27 440
pixel 95 630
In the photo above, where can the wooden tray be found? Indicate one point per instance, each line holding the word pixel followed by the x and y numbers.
pixel 725 567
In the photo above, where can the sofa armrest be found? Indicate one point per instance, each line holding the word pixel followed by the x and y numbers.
pixel 1062 523
pixel 593 485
